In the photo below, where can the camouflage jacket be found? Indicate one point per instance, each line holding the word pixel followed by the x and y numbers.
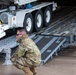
pixel 28 49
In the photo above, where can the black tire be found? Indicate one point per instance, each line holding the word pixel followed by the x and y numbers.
pixel 38 20
pixel 47 16
pixel 28 26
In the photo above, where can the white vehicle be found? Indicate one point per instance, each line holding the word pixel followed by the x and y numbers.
pixel 30 14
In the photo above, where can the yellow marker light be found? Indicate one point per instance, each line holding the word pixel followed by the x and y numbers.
pixel 0 22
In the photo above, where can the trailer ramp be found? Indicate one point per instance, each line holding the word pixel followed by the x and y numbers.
pixel 48 45
pixel 5 47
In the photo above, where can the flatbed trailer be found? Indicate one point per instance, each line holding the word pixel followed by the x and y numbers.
pixel 54 37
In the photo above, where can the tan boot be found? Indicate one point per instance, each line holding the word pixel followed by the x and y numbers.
pixel 27 71
pixel 33 70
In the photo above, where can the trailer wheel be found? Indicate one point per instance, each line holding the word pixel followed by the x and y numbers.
pixel 47 16
pixel 28 23
pixel 38 20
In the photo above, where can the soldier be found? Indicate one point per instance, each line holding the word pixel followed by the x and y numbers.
pixel 27 56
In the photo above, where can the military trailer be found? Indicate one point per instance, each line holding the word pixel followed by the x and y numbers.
pixel 30 14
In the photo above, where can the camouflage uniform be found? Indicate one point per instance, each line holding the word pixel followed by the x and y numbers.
pixel 27 54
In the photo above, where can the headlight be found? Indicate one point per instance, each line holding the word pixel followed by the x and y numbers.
pixel 4 17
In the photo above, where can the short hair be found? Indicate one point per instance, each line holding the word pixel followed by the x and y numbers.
pixel 21 29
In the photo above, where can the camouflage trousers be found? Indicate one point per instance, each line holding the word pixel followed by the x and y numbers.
pixel 21 62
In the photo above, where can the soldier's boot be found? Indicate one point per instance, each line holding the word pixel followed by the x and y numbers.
pixel 33 70
pixel 27 71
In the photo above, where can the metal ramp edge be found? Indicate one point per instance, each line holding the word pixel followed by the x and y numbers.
pixel 52 52
pixel 48 45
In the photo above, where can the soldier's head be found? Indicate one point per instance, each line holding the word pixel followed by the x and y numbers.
pixel 20 33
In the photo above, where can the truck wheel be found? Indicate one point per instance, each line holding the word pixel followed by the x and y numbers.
pixel 47 16
pixel 28 23
pixel 38 20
